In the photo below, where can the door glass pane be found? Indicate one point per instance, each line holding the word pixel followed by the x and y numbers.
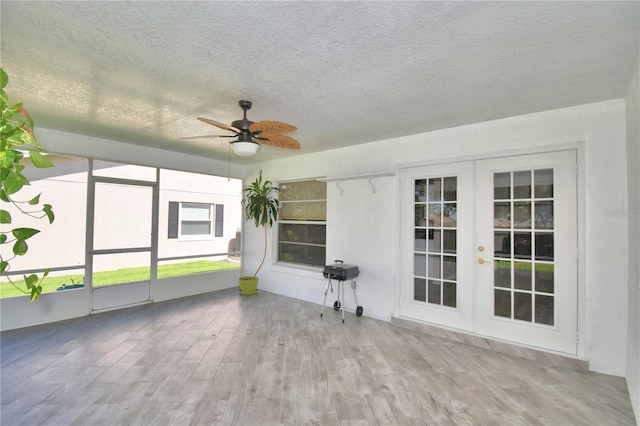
pixel 502 273
pixel 435 190
pixel 419 265
pixel 420 289
pixel 449 216
pixel 449 241
pixel 420 240
pixel 450 188
pixel 435 218
pixel 502 186
pixel 524 246
pixel 522 275
pixel 544 309
pixel 449 268
pixel 420 190
pixel 449 294
pixel 543 183
pixel 544 278
pixel 522 214
pixel 420 215
pixel 544 215
pixel 434 266
pixel 544 246
pixel 502 215
pixel 502 303
pixel 434 292
pixel 502 244
pixel 435 243
pixel 522 184
pixel 522 306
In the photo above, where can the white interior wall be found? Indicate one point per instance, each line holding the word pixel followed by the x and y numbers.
pixel 632 102
pixel 363 227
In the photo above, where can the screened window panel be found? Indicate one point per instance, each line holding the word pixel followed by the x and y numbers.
pixel 304 211
pixel 303 233
pixel 302 223
pixel 306 190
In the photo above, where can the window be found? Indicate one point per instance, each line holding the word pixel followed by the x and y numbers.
pixel 195 220
pixel 302 223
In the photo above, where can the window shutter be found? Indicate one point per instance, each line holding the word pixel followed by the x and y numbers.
pixel 174 208
pixel 219 219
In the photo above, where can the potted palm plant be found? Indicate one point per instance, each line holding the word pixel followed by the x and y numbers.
pixel 261 206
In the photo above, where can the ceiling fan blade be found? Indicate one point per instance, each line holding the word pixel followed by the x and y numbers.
pixel 279 141
pixel 219 124
pixel 210 136
pixel 271 127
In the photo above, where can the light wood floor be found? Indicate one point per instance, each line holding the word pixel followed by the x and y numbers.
pixel 268 359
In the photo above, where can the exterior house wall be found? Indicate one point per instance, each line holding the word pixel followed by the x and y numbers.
pixel 177 187
pixel 119 223
pixel 62 242
pixel 632 101
pixel 362 226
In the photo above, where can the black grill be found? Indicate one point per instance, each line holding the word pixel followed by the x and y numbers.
pixel 340 272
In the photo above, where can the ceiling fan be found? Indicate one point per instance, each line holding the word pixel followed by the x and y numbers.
pixel 253 134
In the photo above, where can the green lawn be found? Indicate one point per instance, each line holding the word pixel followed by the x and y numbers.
pixel 121 275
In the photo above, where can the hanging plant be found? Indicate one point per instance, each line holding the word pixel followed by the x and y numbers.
pixel 16 134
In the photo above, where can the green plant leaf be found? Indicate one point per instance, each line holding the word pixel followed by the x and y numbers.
pixel 7 158
pixel 20 248
pixel 3 266
pixel 14 183
pixel 39 160
pixel 5 216
pixel 24 233
pixel 35 200
pixel 4 78
pixel 35 292
pixel 30 280
pixel 3 238
pixel 47 210
pixel 3 195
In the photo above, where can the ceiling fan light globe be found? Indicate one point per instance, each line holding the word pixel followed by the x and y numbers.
pixel 244 149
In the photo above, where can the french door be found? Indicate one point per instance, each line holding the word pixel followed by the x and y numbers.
pixel 490 247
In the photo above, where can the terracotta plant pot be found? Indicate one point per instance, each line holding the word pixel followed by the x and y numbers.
pixel 248 286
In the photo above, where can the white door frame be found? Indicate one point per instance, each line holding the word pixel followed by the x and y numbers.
pixel 140 289
pixel 579 148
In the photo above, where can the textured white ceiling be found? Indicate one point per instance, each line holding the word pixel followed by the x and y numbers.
pixel 343 72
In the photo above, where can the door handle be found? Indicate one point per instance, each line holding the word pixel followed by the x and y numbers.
pixel 481 261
